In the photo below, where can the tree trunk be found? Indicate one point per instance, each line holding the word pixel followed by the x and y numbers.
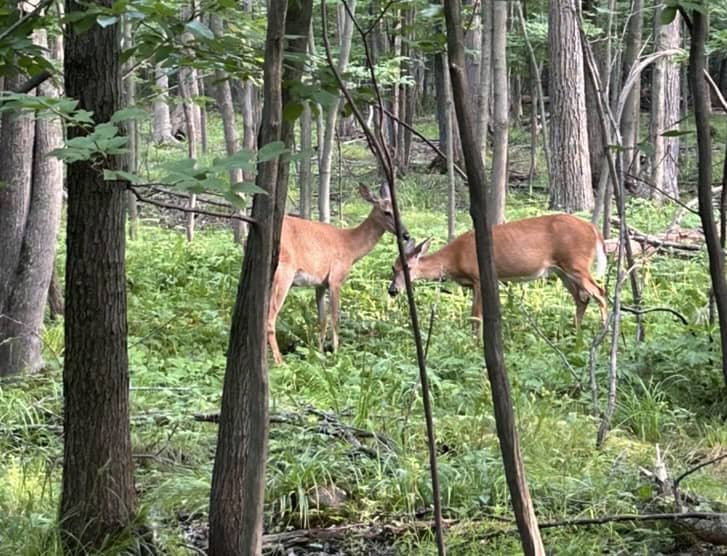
pixel 202 115
pixel 406 96
pixel 570 183
pixel 451 183
pixel 187 83
pixel 492 325
pixel 305 174
pixel 30 208
pixel 665 96
pixel 702 108
pixel 162 127
pixel 630 118
pixel 238 478
pixel 326 147
pixel 98 499
pixel 498 186
pixel 483 96
pixel 131 132
pixel 223 96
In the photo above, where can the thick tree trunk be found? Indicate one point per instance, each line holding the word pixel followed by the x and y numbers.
pixel 665 96
pixel 326 146
pixel 570 183
pixel 98 499
pixel 498 186
pixel 30 205
pixel 238 478
pixel 492 325
pixel 702 108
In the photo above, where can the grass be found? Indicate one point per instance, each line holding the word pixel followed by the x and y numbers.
pixel 180 297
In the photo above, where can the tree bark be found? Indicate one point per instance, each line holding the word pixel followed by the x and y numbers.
pixel 223 96
pixel 665 96
pixel 30 207
pixel 570 183
pixel 238 479
pixel 305 175
pixel 632 109
pixel 498 186
pixel 326 146
pixel 162 126
pixel 483 96
pixel 98 499
pixel 702 108
pixel 131 132
pixel 492 325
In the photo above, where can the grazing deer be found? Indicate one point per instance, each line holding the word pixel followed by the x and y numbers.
pixel 524 250
pixel 320 255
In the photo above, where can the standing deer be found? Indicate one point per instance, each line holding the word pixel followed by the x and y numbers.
pixel 523 250
pixel 320 255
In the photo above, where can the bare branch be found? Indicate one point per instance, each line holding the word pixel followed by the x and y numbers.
pixel 186 210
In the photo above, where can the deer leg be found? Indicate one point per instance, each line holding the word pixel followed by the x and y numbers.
pixel 582 288
pixel 322 322
pixel 282 281
pixel 335 292
pixel 476 310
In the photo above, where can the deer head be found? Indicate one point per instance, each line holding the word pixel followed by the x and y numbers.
pixel 412 254
pixel 383 212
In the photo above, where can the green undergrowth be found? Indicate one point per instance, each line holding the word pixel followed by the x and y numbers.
pixel 180 297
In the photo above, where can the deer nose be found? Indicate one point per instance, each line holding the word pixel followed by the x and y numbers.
pixel 393 290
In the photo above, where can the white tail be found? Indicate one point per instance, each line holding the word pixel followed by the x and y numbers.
pixel 524 250
pixel 320 255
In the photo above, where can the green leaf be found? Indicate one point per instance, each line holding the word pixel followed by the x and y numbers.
pixel 247 187
pixel 106 20
pixel 128 113
pixel 324 98
pixel 292 111
pixel 270 151
pixel 199 30
pixel 121 175
pixel 677 132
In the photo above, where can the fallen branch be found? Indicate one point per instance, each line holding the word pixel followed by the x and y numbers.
pixel 328 424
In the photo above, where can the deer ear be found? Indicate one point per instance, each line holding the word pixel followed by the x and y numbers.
pixel 411 251
pixel 384 191
pixel 365 193
pixel 423 247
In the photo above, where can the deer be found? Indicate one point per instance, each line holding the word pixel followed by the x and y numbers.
pixel 316 254
pixel 523 250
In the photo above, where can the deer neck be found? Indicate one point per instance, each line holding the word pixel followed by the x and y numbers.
pixel 364 237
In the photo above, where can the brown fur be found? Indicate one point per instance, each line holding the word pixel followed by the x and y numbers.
pixel 523 250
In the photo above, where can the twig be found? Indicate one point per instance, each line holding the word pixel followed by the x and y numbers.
pixel 33 82
pixel 696 468
pixel 636 311
pixel 186 210
pixel 378 146
pixel 434 147
pixel 535 326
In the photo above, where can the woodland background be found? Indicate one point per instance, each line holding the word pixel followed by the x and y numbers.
pixel 148 152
